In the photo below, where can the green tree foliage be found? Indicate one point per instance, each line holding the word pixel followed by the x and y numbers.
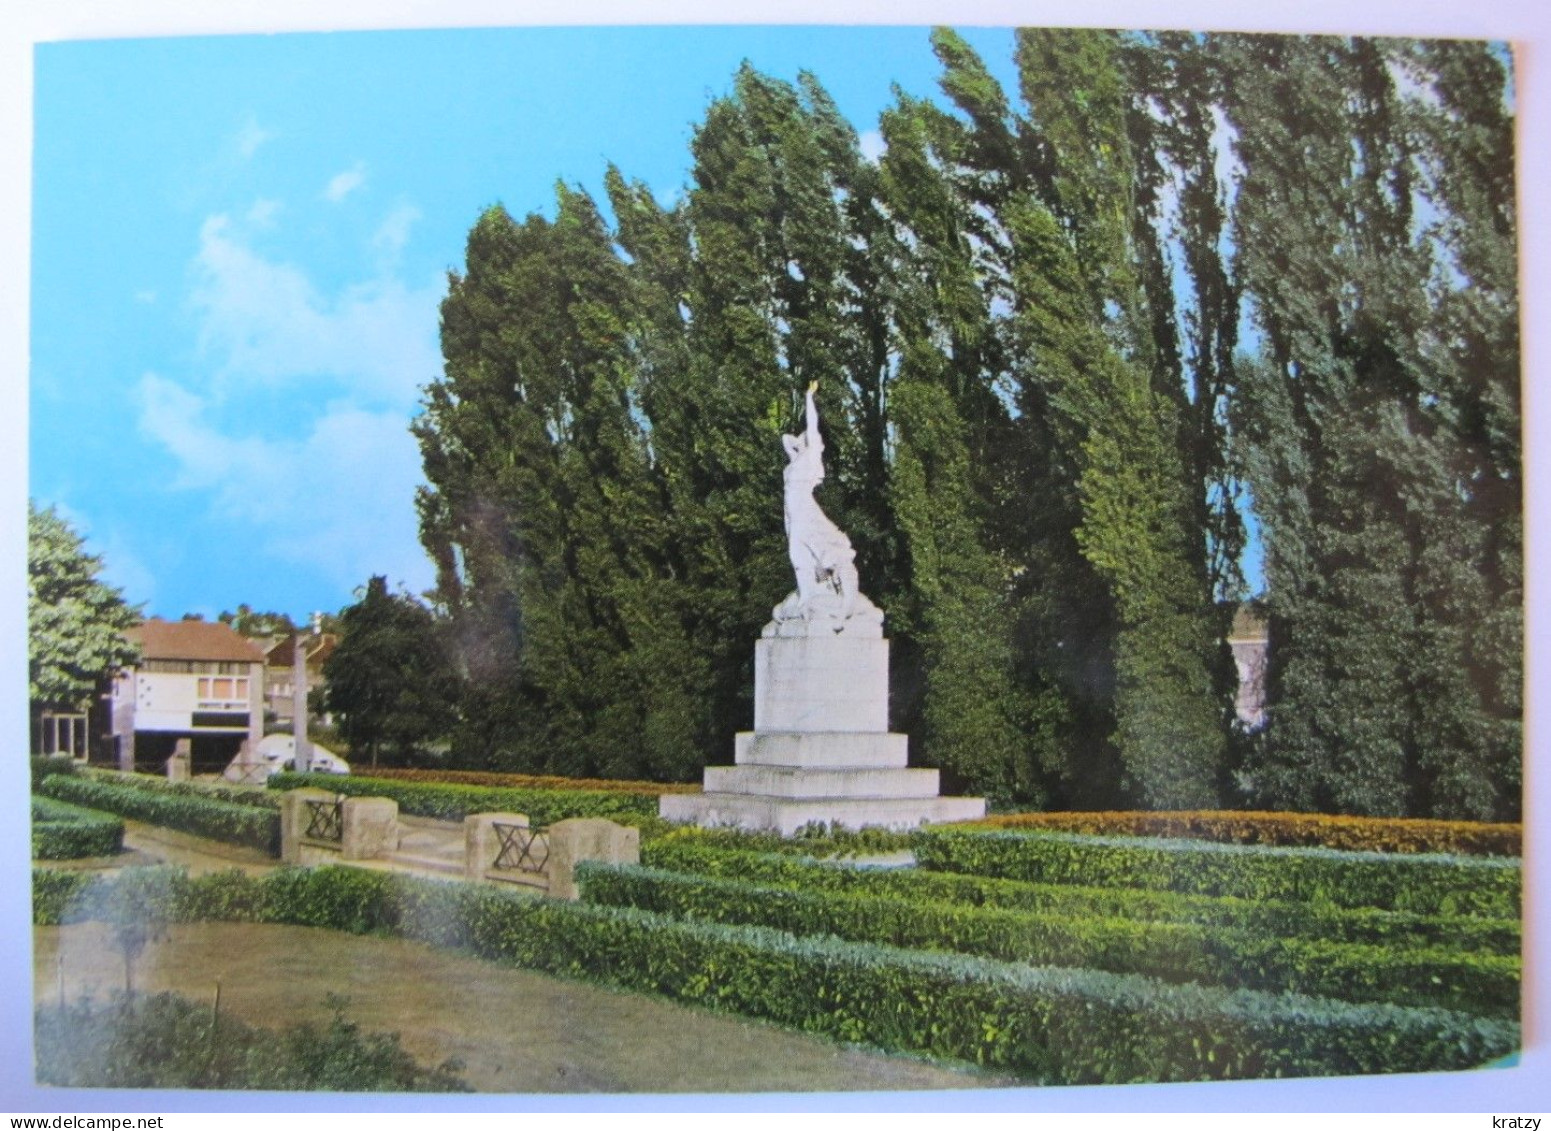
pixel 387 679
pixel 75 622
pixel 1061 335
pixel 1375 426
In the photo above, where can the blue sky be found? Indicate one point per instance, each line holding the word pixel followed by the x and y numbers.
pixel 239 245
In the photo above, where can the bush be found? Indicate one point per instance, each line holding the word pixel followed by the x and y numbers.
pixel 815 840
pixel 530 781
pixel 56 893
pixel 455 802
pixel 45 767
pixel 211 791
pixel 1173 952
pixel 1279 918
pixel 67 832
pixel 1427 884
pixel 1054 1025
pixel 86 1045
pixel 1307 830
pixel 219 820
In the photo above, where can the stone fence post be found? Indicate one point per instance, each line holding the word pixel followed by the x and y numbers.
pixel 371 827
pixel 180 765
pixel 482 843
pixel 587 838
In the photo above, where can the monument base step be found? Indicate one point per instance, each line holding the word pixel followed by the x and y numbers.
pixel 822 750
pixel 802 783
pixel 786 815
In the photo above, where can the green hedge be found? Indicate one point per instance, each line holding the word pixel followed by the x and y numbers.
pixel 210 791
pixel 45 766
pixel 1426 884
pixel 1173 952
pixel 454 802
pixel 56 894
pixel 219 820
pixel 1274 918
pixel 61 831
pixel 1053 1025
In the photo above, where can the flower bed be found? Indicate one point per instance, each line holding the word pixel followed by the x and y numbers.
pixel 529 781
pixel 1310 830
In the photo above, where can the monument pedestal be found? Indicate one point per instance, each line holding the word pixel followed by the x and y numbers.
pixel 820 750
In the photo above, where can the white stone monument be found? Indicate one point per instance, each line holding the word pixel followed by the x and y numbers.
pixel 820 749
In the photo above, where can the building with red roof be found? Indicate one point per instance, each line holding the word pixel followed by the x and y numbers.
pixel 196 680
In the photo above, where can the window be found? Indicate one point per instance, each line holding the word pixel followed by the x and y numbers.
pixel 223 693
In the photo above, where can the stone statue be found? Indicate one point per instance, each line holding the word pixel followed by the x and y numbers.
pixel 827 595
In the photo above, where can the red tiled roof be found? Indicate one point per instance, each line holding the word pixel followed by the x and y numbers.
pixel 193 640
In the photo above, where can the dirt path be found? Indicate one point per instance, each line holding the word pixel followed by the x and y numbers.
pixel 515 1031
pixel 151 844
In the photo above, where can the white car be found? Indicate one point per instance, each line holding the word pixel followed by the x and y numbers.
pixel 277 752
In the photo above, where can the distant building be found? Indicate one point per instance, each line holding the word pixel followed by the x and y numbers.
pixel 1250 640
pixel 196 680
pixel 280 672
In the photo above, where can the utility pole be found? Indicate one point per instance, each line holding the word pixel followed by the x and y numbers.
pixel 299 696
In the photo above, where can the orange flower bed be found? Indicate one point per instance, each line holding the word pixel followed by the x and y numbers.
pixel 1372 834
pixel 528 781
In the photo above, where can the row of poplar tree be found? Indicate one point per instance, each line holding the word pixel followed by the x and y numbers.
pixel 1065 342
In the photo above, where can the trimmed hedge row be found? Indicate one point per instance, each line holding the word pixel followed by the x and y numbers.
pixel 530 781
pixel 47 765
pixel 454 802
pixel 1431 884
pixel 1172 952
pixel 212 791
pixel 1054 1025
pixel 219 820
pixel 61 831
pixel 1279 918
pixel 1287 830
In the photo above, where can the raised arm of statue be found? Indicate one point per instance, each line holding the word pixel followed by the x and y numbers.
pixel 815 444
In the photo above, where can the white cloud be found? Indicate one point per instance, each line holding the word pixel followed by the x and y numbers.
pixel 147 296
pixel 335 497
pixel 872 145
pixel 393 233
pixel 343 184
pixel 266 321
pixel 251 137
pixel 263 212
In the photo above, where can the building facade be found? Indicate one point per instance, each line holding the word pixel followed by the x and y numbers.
pixel 197 681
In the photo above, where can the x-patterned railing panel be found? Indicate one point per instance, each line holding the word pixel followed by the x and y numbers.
pixel 521 848
pixel 325 820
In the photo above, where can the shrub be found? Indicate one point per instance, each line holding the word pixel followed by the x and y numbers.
pixel 1054 1025
pixel 56 893
pixel 48 766
pixel 531 781
pixel 212 791
pixel 1307 830
pixel 455 802
pixel 1280 918
pixel 67 832
pixel 816 840
pixel 87 1045
pixel 1427 884
pixel 219 820
pixel 1173 952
